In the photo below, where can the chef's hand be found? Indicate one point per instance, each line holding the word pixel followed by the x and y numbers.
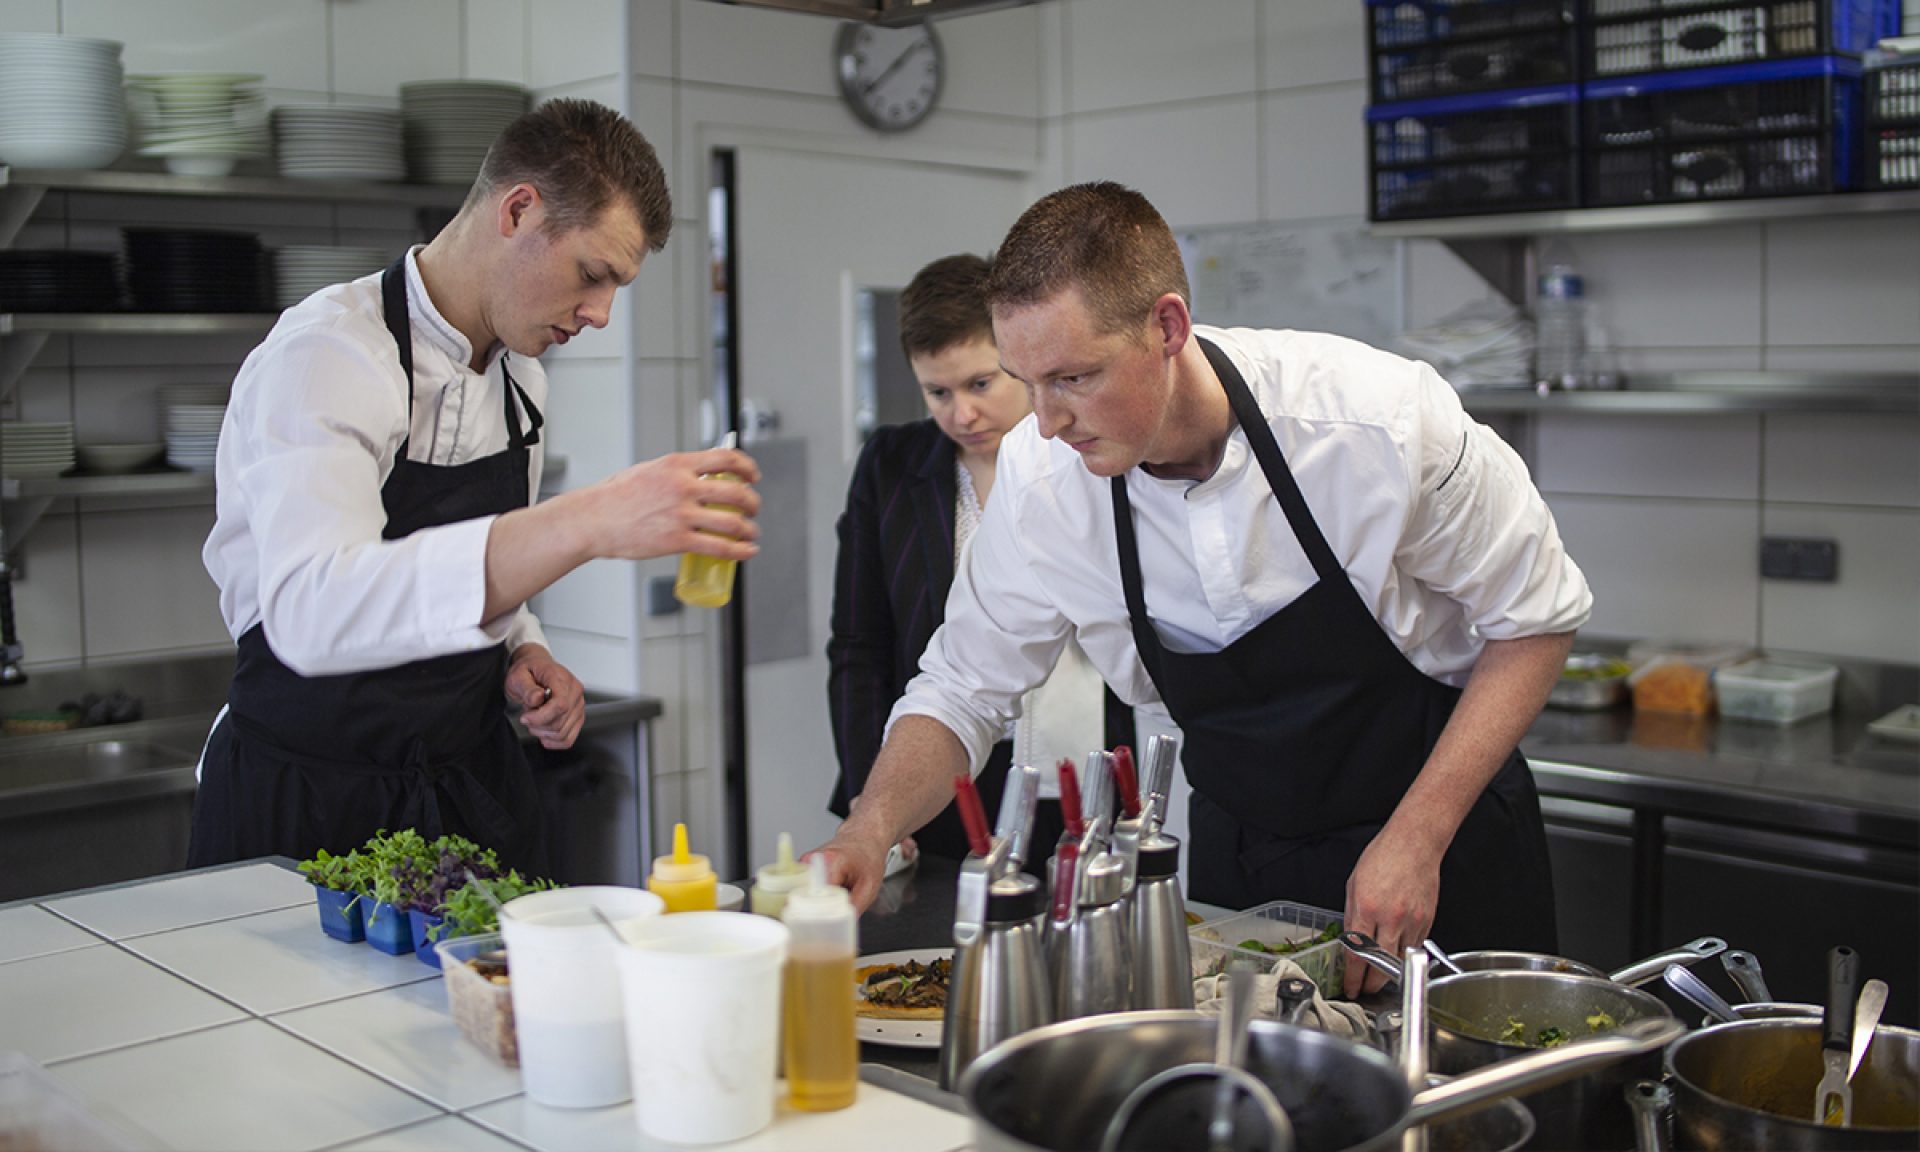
pixel 676 504
pixel 1391 896
pixel 857 861
pixel 555 704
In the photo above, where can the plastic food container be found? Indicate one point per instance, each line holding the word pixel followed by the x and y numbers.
pixel 1216 944
pixel 1678 677
pixel 1590 682
pixel 37 1111
pixel 481 1005
pixel 1775 691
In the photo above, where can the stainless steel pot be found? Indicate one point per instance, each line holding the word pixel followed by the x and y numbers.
pixel 1750 1085
pixel 1590 1112
pixel 1635 974
pixel 1053 1089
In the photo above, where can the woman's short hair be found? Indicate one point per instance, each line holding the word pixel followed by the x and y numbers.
pixel 581 156
pixel 1105 239
pixel 944 305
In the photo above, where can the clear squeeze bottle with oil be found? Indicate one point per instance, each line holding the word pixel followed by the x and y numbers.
pixel 822 1053
pixel 684 880
pixel 707 581
pixel 774 882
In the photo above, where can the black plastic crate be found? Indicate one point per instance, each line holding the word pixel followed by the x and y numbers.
pixel 1893 157
pixel 1632 37
pixel 1511 151
pixel 1783 128
pixel 1893 93
pixel 1428 48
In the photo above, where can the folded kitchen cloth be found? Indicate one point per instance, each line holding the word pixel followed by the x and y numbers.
pixel 1335 1017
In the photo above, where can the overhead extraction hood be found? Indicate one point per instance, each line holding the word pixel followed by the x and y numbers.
pixel 887 12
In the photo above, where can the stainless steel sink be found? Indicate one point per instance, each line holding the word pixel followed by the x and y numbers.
pixel 91 762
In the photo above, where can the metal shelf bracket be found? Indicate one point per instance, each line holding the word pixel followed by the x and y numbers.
pixel 1504 262
pixel 16 353
pixel 17 202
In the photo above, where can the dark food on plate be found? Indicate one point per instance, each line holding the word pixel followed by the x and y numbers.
pixel 905 991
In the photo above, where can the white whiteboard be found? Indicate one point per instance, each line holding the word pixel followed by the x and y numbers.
pixel 1321 277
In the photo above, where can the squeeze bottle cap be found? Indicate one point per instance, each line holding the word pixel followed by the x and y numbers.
pixel 783 875
pixel 683 866
pixel 819 900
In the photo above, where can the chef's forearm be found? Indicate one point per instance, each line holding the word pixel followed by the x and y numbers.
pixel 1504 693
pixel 912 779
pixel 529 549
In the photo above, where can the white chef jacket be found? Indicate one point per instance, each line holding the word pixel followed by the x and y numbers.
pixel 1434 518
pixel 319 411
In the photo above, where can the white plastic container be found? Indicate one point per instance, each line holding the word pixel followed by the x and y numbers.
pixel 567 1007
pixel 1775 691
pixel 1280 924
pixel 702 996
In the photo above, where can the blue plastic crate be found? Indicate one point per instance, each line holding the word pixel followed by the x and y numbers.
pixel 1428 48
pixel 1781 128
pixel 1633 37
pixel 1513 151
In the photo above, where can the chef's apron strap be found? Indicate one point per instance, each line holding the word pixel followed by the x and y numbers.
pixel 393 308
pixel 534 420
pixel 1279 477
pixel 1145 640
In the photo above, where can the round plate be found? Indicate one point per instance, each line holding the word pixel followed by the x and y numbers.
pixel 901 1033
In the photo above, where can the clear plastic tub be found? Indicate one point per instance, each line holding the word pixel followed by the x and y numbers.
pixel 1775 691
pixel 37 1111
pixel 481 1005
pixel 1671 676
pixel 1216 944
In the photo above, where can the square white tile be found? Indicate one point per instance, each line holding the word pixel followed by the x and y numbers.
pixel 183 901
pixel 1834 458
pixel 1133 53
pixel 650 39
pixel 1218 139
pixel 1707 457
pixel 1873 611
pixel 90 1000
pixel 586 44
pixel 378 47
pixel 286 40
pixel 1314 148
pixel 145 586
pixel 277 961
pixel 30 931
pixel 1843 281
pixel 756 48
pixel 405 1035
pixel 496 41
pixel 1698 288
pixel 1676 569
pixel 46 590
pixel 1313 42
pixel 248 1087
pixel 993 62
pixel 435 1136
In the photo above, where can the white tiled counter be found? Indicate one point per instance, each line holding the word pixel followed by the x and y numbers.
pixel 208 1010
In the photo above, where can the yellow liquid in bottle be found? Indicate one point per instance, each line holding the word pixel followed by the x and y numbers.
pixel 816 1007
pixel 706 581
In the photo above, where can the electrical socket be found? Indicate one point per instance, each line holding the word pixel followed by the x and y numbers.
pixel 660 598
pixel 1789 558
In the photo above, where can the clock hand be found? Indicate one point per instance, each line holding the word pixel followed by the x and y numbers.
pixel 887 73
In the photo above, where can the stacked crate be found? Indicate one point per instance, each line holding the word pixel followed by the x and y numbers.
pixel 1474 107
pixel 1893 124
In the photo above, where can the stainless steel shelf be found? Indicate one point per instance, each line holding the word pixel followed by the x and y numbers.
pixel 126 484
pixel 136 323
pixel 233 187
pixel 1719 392
pixel 1648 216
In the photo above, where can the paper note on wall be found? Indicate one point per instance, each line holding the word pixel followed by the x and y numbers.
pixel 1333 277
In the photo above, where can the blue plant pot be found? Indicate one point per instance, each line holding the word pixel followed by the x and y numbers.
pixel 423 943
pixel 389 929
pixel 340 914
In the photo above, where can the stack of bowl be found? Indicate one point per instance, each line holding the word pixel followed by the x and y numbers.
pixel 60 102
pixel 36 449
pixel 192 414
pixel 450 124
pixel 200 123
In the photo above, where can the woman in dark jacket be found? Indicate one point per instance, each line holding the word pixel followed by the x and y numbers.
pixel 916 495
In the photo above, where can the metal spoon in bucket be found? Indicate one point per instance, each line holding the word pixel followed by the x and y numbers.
pixel 1171 1107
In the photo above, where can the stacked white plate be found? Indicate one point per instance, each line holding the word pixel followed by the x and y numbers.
pixel 191 415
pixel 333 142
pixel 36 449
pixel 201 123
pixel 60 102
pixel 450 124
pixel 300 270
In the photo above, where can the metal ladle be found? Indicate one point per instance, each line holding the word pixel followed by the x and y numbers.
pixel 1229 1106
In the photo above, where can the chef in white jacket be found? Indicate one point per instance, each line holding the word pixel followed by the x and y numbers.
pixel 1347 594
pixel 377 539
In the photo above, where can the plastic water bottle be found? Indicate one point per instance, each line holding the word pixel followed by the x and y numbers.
pixel 1560 329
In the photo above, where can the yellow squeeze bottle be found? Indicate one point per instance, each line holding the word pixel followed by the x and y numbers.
pixel 816 1001
pixel 774 881
pixel 707 581
pixel 684 880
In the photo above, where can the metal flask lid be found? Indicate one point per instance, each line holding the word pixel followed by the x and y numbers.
pixel 1159 857
pixel 1015 899
pixel 1104 882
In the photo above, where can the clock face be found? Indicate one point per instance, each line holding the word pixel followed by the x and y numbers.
pixel 890 76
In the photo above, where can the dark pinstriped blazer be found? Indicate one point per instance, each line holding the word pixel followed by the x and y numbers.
pixel 890 587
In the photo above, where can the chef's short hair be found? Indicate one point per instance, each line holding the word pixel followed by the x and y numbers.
pixel 944 305
pixel 581 156
pixel 1103 238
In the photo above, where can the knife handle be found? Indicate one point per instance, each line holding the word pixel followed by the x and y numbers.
pixel 1843 986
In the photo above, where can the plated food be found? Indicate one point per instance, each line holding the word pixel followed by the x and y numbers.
pixel 910 990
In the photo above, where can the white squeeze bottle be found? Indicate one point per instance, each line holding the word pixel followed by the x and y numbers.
pixel 822 1054
pixel 773 882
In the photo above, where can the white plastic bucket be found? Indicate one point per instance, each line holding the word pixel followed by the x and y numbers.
pixel 703 1023
pixel 567 1006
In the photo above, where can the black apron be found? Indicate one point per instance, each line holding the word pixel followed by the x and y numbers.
pixel 301 763
pixel 1301 737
